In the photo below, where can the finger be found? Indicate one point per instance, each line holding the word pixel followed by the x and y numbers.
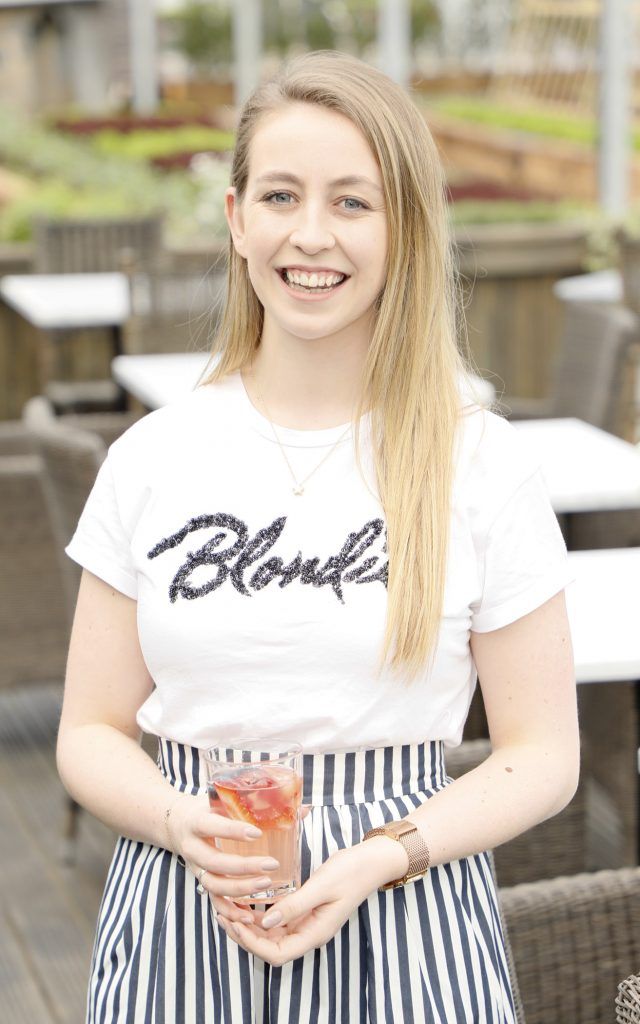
pixel 206 856
pixel 276 952
pixel 218 885
pixel 211 825
pixel 305 810
pixel 292 907
pixel 231 911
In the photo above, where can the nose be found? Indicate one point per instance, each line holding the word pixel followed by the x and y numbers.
pixel 311 233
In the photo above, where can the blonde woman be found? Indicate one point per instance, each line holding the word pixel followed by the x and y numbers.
pixel 324 542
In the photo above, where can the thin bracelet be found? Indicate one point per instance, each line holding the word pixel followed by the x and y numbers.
pixel 167 815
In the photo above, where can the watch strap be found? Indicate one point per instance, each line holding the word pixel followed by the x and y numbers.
pixel 405 832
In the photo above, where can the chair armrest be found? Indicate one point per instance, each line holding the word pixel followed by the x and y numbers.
pixel 15 439
pixel 573 938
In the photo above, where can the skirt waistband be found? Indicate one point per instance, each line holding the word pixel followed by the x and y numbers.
pixel 340 777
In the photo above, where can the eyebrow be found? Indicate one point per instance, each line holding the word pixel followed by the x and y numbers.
pixel 348 179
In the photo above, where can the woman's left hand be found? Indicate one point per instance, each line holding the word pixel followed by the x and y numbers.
pixel 312 915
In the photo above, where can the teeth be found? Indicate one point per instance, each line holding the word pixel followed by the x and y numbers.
pixel 313 280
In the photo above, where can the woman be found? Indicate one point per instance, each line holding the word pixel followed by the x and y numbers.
pixel 324 543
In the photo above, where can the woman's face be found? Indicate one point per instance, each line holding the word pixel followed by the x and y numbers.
pixel 314 205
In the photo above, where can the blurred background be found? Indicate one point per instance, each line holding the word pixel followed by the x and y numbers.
pixel 117 121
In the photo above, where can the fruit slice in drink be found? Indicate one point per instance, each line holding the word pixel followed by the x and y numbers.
pixel 268 796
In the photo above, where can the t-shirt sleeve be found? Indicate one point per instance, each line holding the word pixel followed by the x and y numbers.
pixel 524 562
pixel 101 543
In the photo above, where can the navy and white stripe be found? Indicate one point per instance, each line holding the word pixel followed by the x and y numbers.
pixel 430 952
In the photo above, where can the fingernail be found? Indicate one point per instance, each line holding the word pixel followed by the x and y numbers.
pixel 270 864
pixel 247 920
pixel 251 832
pixel 271 919
pixel 263 881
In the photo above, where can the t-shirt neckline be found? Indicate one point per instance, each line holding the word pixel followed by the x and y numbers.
pixel 288 436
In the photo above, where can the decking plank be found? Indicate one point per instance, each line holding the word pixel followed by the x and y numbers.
pixel 22 1002
pixel 48 910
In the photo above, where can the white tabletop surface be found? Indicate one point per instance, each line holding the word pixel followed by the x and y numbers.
pixel 603 603
pixel 65 301
pixel 585 468
pixel 601 286
pixel 157 380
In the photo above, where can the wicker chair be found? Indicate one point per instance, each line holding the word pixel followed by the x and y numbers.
pixel 65 246
pixel 628 1001
pixel 173 311
pixel 572 939
pixel 72 449
pixel 33 625
pixel 558 846
pixel 597 343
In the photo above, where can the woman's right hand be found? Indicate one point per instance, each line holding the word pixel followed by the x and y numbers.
pixel 194 827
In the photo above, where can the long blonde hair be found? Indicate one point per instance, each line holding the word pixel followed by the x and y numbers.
pixel 411 378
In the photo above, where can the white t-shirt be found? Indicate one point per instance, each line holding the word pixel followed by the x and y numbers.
pixel 261 613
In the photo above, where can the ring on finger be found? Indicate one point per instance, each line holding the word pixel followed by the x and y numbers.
pixel 200 889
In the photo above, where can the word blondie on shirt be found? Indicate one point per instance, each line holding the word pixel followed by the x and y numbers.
pixel 261 612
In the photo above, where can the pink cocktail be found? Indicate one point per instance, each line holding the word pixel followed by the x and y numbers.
pixel 262 787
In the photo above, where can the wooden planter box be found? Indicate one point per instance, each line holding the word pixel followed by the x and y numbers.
pixel 514 319
pixel 548 167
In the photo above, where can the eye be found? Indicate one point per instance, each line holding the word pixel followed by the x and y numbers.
pixel 350 199
pixel 271 195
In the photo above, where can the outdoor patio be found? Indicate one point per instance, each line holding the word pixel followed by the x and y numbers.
pixel 105 318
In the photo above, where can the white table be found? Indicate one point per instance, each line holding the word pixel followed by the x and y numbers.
pixel 157 380
pixel 60 302
pixel 585 468
pixel 603 603
pixel 601 286
pixel 604 612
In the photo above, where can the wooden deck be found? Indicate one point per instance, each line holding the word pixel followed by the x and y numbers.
pixel 48 910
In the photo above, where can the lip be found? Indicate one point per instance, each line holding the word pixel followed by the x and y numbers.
pixel 304 297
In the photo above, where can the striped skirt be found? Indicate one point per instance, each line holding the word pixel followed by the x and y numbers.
pixel 430 951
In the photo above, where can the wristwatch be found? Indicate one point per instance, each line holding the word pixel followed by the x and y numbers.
pixel 405 832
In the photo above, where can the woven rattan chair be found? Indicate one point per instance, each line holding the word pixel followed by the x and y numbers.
pixel 33 625
pixel 595 348
pixel 71 449
pixel 78 246
pixel 628 1001
pixel 557 846
pixel 173 311
pixel 572 939
pixel 66 246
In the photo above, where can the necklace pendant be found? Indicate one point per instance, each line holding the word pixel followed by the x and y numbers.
pixel 299 489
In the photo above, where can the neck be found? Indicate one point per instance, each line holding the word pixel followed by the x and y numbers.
pixel 306 385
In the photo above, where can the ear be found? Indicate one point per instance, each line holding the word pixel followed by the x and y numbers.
pixel 235 219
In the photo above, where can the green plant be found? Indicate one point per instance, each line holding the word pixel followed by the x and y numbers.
pixel 69 178
pixel 145 144
pixel 507 211
pixel 484 110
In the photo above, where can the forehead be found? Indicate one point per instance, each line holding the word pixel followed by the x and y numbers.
pixel 312 141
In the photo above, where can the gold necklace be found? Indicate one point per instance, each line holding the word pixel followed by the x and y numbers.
pixel 299 485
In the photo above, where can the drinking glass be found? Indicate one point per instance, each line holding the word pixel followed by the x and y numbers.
pixel 259 781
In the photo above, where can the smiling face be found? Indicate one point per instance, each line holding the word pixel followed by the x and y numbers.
pixel 312 226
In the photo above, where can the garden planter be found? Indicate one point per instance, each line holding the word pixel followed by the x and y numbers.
pixel 514 320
